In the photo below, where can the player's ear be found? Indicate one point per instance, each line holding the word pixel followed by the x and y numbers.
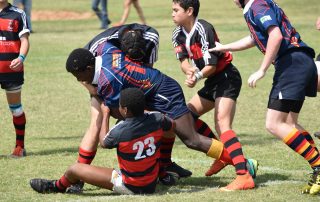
pixel 190 11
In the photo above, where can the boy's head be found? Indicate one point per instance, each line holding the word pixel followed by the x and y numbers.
pixel 133 44
pixel 81 64
pixel 183 10
pixel 132 102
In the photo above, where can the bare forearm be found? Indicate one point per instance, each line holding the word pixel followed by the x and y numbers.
pixel 242 44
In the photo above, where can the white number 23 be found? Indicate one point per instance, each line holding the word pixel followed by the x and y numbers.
pixel 140 146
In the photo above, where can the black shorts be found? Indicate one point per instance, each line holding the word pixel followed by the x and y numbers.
pixel 225 84
pixel 285 105
pixel 11 85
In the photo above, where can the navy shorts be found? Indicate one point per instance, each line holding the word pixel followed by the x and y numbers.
pixel 11 85
pixel 295 77
pixel 168 99
pixel 225 84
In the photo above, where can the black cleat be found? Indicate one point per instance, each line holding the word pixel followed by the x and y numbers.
pixel 44 186
pixel 168 179
pixel 76 188
pixel 178 170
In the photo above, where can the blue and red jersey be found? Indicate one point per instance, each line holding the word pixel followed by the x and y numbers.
pixel 119 72
pixel 13 25
pixel 138 142
pixel 261 15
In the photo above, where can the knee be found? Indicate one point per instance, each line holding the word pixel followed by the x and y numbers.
pixel 71 170
pixel 271 127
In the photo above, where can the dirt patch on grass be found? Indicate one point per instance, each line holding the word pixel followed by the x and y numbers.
pixel 59 15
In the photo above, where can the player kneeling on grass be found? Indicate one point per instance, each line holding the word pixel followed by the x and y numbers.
pixel 137 140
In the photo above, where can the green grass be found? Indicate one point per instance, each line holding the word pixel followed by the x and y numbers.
pixel 57 109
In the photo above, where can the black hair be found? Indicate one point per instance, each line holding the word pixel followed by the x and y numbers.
pixel 318 57
pixel 133 44
pixel 185 4
pixel 79 59
pixel 242 3
pixel 133 99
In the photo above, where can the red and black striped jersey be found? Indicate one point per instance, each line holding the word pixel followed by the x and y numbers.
pixel 13 25
pixel 112 34
pixel 138 141
pixel 195 45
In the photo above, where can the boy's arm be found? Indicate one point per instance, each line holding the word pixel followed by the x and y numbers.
pixel 105 124
pixel 242 44
pixel 273 45
pixel 16 64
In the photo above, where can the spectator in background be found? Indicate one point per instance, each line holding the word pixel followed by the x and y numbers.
pixel 103 13
pixel 26 6
pixel 126 11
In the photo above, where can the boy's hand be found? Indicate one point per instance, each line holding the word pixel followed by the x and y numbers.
pixel 255 77
pixel 16 64
pixel 219 48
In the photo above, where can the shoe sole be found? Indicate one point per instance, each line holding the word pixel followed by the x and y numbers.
pixel 254 166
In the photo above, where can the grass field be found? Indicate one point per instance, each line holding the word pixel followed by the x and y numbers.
pixel 57 109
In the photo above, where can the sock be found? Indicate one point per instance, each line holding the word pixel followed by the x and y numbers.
pixel 86 157
pixel 19 123
pixel 233 147
pixel 166 151
pixel 308 137
pixel 63 183
pixel 203 129
pixel 297 142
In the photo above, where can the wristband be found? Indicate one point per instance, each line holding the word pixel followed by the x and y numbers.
pixel 198 75
pixel 22 57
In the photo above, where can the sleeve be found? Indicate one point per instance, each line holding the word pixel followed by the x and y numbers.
pixel 111 140
pixel 208 41
pixel 167 123
pixel 109 86
pixel 265 16
pixel 178 43
pixel 152 45
pixel 23 24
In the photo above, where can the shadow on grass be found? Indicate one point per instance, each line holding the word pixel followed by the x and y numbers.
pixel 54 151
pixel 262 179
pixel 60 137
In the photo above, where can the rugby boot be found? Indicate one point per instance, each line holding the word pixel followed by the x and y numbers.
pixel 242 182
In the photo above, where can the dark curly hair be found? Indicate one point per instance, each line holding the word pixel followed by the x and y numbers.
pixel 79 59
pixel 133 44
pixel 133 99
pixel 318 57
pixel 185 4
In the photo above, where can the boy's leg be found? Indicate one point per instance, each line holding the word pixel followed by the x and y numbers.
pixel 94 175
pixel 13 94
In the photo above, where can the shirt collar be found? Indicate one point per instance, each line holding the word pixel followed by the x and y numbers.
pixel 247 6
pixel 98 65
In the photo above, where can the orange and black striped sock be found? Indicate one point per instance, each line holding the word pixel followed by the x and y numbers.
pixel 297 142
pixel 19 123
pixel 86 157
pixel 63 183
pixel 203 129
pixel 308 137
pixel 233 146
pixel 166 151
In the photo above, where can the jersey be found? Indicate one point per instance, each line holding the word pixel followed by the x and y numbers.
pixel 13 25
pixel 262 14
pixel 150 35
pixel 138 141
pixel 195 45
pixel 119 72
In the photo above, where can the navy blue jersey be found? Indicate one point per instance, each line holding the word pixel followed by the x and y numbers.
pixel 195 45
pixel 138 141
pixel 118 72
pixel 150 35
pixel 13 25
pixel 260 15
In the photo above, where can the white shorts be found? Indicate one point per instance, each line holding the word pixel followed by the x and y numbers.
pixel 118 186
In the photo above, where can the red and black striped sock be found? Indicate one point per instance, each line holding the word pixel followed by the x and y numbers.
pixel 308 137
pixel 19 123
pixel 86 157
pixel 166 151
pixel 63 183
pixel 298 143
pixel 203 129
pixel 233 146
